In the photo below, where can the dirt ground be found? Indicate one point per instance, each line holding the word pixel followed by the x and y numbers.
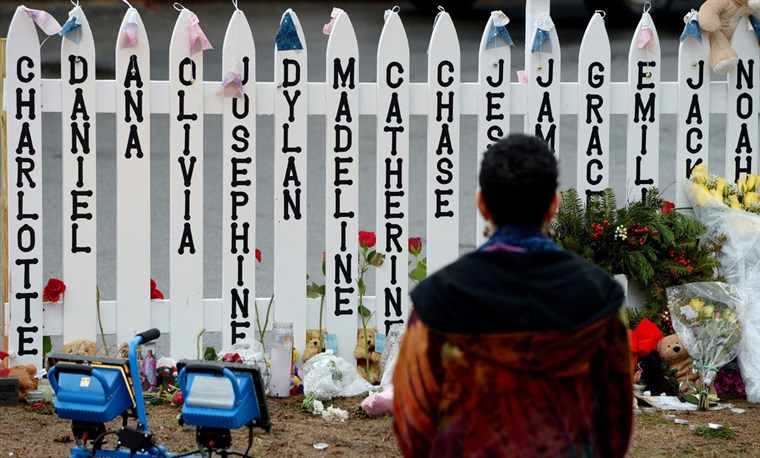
pixel 28 432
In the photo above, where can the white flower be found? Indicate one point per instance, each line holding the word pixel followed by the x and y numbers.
pixel 334 414
pixel 621 232
pixel 317 408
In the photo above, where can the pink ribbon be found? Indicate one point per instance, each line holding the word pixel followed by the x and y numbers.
pixel 327 29
pixel 232 84
pixel 44 21
pixel 129 33
pixel 645 36
pixel 198 40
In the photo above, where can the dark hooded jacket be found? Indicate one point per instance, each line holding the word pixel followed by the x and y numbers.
pixel 515 354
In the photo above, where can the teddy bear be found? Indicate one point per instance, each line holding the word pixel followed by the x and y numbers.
pixel 26 380
pixel 360 353
pixel 80 347
pixel 312 343
pixel 719 18
pixel 673 352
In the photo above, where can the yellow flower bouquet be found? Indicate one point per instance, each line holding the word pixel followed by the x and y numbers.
pixel 732 211
pixel 706 316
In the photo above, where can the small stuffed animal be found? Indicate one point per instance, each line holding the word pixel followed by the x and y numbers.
pixel 360 353
pixel 719 18
pixel 673 352
pixel 80 347
pixel 654 378
pixel 26 380
pixel 312 343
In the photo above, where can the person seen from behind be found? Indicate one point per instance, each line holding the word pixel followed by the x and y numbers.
pixel 517 349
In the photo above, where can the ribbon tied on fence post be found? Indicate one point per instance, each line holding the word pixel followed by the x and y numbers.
pixel 544 25
pixel 692 27
pixel 498 35
pixel 128 33
pixel 72 29
pixel 44 20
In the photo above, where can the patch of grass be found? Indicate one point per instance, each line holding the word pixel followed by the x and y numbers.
pixel 653 419
pixel 725 432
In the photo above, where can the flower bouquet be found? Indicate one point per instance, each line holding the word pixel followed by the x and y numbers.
pixel 654 246
pixel 706 317
pixel 733 210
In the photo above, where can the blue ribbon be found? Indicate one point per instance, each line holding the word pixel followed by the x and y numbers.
pixel 379 342
pixel 692 30
pixel 498 36
pixel 540 38
pixel 70 26
pixel 755 25
pixel 331 343
pixel 287 37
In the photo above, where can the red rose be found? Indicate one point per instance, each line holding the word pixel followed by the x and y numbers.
pixel 177 399
pixel 53 290
pixel 3 355
pixel 233 358
pixel 258 255
pixel 415 245
pixel 667 207
pixel 5 372
pixel 367 239
pixel 155 293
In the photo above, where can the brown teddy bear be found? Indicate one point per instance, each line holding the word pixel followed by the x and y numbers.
pixel 360 353
pixel 26 380
pixel 80 347
pixel 312 343
pixel 719 18
pixel 673 352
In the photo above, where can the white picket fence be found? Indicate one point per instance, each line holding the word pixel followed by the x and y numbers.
pixel 539 96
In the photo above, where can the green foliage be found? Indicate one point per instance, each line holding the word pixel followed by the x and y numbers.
pixel 210 354
pixel 723 433
pixel 653 248
pixel 419 272
pixel 47 346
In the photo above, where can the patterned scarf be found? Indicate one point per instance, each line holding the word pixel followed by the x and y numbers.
pixel 519 238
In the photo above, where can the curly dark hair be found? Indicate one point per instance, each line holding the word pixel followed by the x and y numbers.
pixel 518 179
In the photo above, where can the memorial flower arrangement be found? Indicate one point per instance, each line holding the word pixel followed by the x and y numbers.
pixel 419 271
pixel 368 257
pixel 316 290
pixel 706 316
pixel 647 241
pixel 732 211
pixel 53 290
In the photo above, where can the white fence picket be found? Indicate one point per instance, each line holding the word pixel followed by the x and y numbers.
pixel 392 286
pixel 643 149
pixel 239 185
pixel 693 128
pixel 443 147
pixel 543 68
pixel 185 190
pixel 494 97
pixel 594 75
pixel 79 181
pixel 342 180
pixel 133 109
pixel 25 217
pixel 741 109
pixel 290 147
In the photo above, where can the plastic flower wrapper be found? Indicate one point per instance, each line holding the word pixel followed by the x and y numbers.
pixel 731 211
pixel 706 316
